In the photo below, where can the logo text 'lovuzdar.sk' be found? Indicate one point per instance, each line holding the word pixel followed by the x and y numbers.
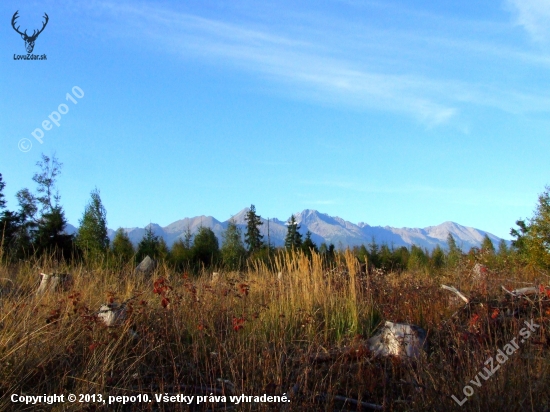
pixel 29 40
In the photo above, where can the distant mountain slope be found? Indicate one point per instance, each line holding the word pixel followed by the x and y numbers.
pixel 324 228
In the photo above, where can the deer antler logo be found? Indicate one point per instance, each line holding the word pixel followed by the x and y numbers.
pixel 29 40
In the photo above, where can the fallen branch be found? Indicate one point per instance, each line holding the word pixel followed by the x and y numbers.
pixel 456 292
pixel 522 291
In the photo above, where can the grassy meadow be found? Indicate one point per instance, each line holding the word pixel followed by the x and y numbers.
pixel 297 327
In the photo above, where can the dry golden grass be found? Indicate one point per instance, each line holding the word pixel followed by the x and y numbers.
pixel 303 334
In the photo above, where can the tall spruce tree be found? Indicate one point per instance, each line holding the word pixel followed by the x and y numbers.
pixel 2 197
pixel 188 238
pixel 149 245
pixel 454 253
pixel 233 251
pixel 50 238
pixel 253 237
pixel 293 239
pixel 374 253
pixel 92 234
pixel 309 245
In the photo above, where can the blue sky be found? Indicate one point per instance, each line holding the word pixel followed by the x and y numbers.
pixel 387 112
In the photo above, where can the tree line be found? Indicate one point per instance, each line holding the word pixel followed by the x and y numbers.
pixel 37 229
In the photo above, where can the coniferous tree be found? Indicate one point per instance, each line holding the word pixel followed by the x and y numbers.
pixel 454 252
pixel 327 252
pixel 309 245
pixel 163 253
pixel 363 254
pixel 520 234
pixel 206 247
pixel 122 247
pixel 536 238
pixel 385 257
pixel 50 237
pixel 293 239
pixel 181 253
pixel 503 253
pixel 188 238
pixel 233 251
pixel 438 258
pixel 253 237
pixel 10 230
pixel 39 226
pixel 149 245
pixel 374 253
pixel 2 197
pixel 92 234
pixel 17 227
pixel 487 245
pixel 9 226
pixel 502 249
pixel 417 259
pixel 401 257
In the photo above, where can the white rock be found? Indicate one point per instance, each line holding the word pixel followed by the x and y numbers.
pixel 398 339
pixel 112 314
pixel 146 266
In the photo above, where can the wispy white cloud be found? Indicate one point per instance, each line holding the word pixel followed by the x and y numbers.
pixel 534 16
pixel 310 69
pixel 333 69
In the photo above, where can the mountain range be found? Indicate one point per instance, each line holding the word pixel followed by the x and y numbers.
pixel 323 228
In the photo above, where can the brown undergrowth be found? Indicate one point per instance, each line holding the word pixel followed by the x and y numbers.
pixel 299 328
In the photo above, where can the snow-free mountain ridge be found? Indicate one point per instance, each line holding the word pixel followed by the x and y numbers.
pixel 324 228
